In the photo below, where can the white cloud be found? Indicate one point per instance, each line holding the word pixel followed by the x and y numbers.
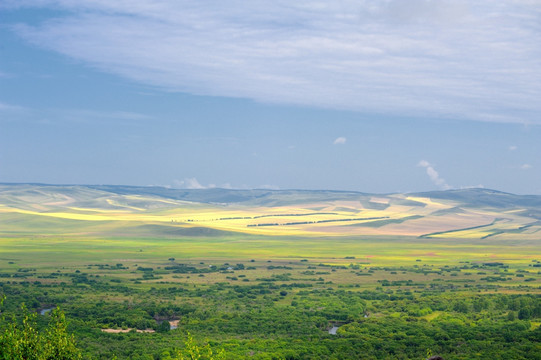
pixel 469 60
pixel 226 186
pixel 189 183
pixel 268 187
pixel 193 183
pixel 513 147
pixel 434 175
pixel 340 140
pixel 479 186
pixel 526 166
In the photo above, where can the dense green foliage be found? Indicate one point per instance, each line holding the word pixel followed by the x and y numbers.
pixel 274 311
pixel 20 339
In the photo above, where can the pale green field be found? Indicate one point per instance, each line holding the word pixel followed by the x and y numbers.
pixel 54 250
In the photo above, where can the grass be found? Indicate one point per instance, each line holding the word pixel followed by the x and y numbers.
pixel 381 251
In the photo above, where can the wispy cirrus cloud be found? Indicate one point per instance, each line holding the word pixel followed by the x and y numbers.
pixel 55 116
pixel 434 175
pixel 86 115
pixel 10 107
pixel 454 59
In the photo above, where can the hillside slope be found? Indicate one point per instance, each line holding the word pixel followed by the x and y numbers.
pixel 108 210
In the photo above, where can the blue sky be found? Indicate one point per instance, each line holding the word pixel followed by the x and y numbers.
pixel 374 96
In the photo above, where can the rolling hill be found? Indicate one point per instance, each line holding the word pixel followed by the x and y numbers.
pixel 109 210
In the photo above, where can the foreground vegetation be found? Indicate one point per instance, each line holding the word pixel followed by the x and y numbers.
pixel 276 309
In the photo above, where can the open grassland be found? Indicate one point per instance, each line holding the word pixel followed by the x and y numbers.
pixel 380 251
pixel 417 263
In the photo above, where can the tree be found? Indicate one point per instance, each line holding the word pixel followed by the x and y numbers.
pixel 511 316
pixel 23 340
pixel 58 343
pixel 524 314
pixel 192 351
pixel 164 326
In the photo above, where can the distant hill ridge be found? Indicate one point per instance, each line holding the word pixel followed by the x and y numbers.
pixel 469 197
pixel 154 211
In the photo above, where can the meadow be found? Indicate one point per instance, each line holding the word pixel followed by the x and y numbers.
pixel 266 275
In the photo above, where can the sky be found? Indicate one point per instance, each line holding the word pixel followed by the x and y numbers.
pixel 376 96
